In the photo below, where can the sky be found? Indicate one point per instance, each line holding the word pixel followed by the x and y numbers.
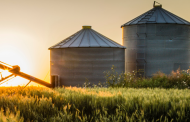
pixel 29 27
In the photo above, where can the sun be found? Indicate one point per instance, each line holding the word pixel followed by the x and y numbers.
pixel 18 47
pixel 12 57
pixel 12 53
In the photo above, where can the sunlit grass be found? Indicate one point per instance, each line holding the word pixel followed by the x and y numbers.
pixel 10 117
pixel 96 104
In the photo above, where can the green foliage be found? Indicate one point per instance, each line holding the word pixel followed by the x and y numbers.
pixel 93 104
pixel 178 79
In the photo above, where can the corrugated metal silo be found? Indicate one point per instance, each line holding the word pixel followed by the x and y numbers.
pixel 156 40
pixel 85 55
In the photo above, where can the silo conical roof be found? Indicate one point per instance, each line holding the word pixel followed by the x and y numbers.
pixel 86 37
pixel 157 15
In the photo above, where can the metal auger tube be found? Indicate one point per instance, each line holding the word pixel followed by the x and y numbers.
pixel 16 71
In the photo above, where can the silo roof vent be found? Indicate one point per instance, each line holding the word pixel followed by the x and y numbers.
pixel 86 27
pixel 154 4
pixel 157 15
pixel 86 37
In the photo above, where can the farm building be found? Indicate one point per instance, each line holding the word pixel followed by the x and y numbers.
pixel 156 40
pixel 84 55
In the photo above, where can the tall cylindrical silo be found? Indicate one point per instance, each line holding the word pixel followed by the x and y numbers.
pixel 85 55
pixel 156 41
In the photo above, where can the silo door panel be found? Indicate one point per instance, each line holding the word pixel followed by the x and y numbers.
pixel 55 80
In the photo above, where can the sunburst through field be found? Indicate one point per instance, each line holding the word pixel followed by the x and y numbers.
pixel 10 81
pixel 12 57
pixel 12 53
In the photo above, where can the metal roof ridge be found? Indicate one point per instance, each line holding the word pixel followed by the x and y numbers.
pixel 166 12
pixel 82 38
pixel 107 39
pixel 100 38
pixel 88 38
pixel 137 17
pixel 65 39
pixel 162 15
pixel 177 17
pixel 75 38
pixel 156 15
pixel 110 40
pixel 133 20
pixel 94 37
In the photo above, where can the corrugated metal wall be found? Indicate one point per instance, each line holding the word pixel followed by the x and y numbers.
pixel 155 47
pixel 73 65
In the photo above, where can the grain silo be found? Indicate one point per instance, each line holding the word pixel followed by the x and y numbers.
pixel 156 40
pixel 85 55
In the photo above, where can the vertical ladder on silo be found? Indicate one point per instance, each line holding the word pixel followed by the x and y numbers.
pixel 141 51
pixel 140 60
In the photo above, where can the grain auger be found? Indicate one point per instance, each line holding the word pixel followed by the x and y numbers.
pixel 15 70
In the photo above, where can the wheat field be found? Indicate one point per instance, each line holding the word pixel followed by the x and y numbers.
pixel 40 104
